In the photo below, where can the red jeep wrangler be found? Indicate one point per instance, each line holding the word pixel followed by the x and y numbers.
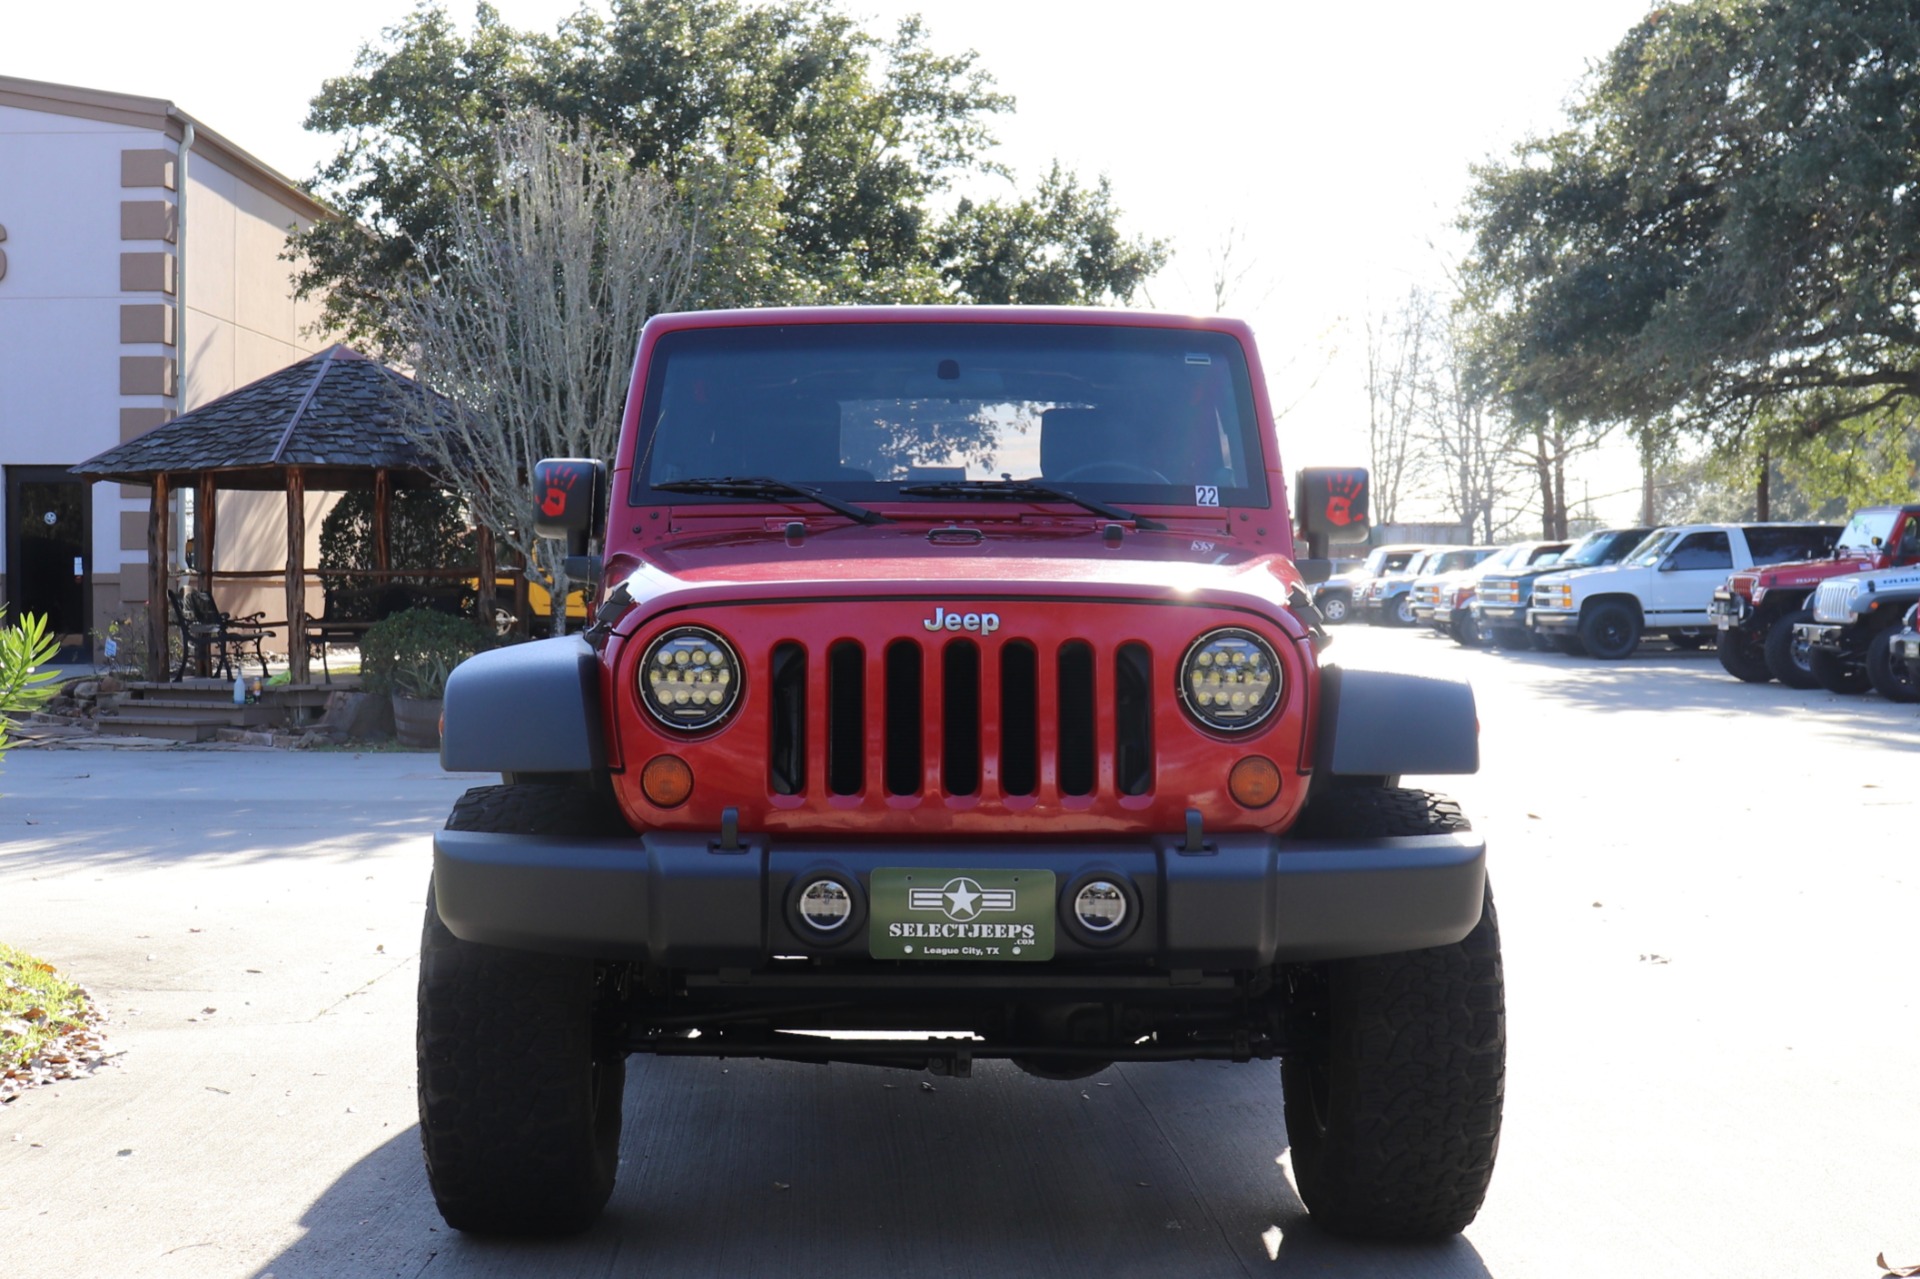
pixel 953 695
pixel 1758 608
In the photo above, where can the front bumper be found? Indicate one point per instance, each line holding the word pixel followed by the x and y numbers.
pixel 1553 621
pixel 1822 635
pixel 1728 611
pixel 680 901
pixel 1904 646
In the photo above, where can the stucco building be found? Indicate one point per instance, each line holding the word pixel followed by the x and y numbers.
pixel 141 275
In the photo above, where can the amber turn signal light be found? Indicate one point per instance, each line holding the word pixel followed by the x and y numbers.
pixel 666 781
pixel 1253 783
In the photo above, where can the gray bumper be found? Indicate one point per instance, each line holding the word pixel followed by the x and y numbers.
pixel 1553 623
pixel 677 901
pixel 1905 647
pixel 1820 634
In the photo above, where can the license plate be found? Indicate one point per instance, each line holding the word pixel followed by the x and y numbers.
pixel 992 915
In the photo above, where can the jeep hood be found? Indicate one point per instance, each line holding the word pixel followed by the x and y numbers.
pixel 1073 560
pixel 1776 577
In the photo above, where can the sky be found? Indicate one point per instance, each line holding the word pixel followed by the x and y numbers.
pixel 1331 142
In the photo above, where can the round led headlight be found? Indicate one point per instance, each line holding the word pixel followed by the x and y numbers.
pixel 1230 680
pixel 690 679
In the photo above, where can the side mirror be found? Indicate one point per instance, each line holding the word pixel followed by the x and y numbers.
pixel 1331 505
pixel 570 495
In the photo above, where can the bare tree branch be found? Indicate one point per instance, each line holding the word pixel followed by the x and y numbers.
pixel 529 319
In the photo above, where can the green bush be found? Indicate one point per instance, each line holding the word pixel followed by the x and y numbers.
pixel 24 649
pixel 413 652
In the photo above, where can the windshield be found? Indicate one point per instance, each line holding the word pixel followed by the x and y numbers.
pixel 1502 558
pixel 864 411
pixel 1865 529
pixel 1454 561
pixel 1600 547
pixel 1650 551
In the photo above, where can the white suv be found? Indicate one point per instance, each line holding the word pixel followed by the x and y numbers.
pixel 1662 587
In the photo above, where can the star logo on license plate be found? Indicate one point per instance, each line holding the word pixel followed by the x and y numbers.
pixel 961 899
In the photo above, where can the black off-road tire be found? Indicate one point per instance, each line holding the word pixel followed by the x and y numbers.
pixel 1610 630
pixel 520 1073
pixel 1743 656
pixel 1892 680
pixel 1790 660
pixel 1400 610
pixel 1835 673
pixel 1336 608
pixel 1393 1100
pixel 1465 631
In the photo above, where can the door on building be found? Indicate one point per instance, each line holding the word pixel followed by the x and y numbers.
pixel 49 566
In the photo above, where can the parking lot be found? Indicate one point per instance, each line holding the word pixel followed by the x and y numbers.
pixel 1708 893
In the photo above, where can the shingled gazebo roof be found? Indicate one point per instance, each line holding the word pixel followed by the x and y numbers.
pixel 332 415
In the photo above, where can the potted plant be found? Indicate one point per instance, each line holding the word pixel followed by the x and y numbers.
pixel 408 657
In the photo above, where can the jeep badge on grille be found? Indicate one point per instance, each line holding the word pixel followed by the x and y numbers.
pixel 984 623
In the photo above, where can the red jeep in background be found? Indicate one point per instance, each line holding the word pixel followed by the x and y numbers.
pixel 954 694
pixel 1758 608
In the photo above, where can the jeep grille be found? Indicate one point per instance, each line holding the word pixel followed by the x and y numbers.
pixel 973 708
pixel 1830 601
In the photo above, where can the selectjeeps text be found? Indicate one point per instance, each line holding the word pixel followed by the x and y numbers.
pixel 953 693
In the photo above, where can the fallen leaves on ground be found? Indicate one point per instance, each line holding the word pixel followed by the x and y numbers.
pixel 49 1026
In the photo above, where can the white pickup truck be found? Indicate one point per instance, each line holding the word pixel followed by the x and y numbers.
pixel 1662 587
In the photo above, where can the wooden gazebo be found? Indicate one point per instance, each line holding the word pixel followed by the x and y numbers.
pixel 326 423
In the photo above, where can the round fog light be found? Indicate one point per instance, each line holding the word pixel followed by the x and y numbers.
pixel 1100 906
pixel 826 905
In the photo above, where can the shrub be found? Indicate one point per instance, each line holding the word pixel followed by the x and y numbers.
pixel 412 652
pixel 121 644
pixel 24 649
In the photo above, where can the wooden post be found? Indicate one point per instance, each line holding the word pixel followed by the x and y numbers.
pixel 159 537
pixel 483 604
pixel 382 520
pixel 296 574
pixel 203 530
pixel 204 526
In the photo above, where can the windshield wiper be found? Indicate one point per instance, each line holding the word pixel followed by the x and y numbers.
pixel 1025 490
pixel 764 486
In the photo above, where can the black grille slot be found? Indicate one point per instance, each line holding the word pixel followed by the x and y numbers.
pixel 960 717
pixel 1076 718
pixel 846 718
pixel 1019 718
pixel 1133 719
pixel 787 738
pixel 905 709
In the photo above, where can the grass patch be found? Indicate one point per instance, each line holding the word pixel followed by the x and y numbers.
pixel 38 1008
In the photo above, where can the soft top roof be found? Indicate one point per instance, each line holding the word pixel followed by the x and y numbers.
pixel 675 320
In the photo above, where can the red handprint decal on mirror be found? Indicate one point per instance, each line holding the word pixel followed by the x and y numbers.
pixel 1341 492
pixel 555 503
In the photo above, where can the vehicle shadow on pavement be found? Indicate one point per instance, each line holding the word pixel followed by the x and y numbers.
pixel 732 1168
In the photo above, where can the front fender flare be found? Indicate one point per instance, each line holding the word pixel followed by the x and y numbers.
pixel 1384 724
pixel 527 708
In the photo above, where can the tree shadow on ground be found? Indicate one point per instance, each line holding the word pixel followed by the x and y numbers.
pixel 764 1168
pixel 1660 678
